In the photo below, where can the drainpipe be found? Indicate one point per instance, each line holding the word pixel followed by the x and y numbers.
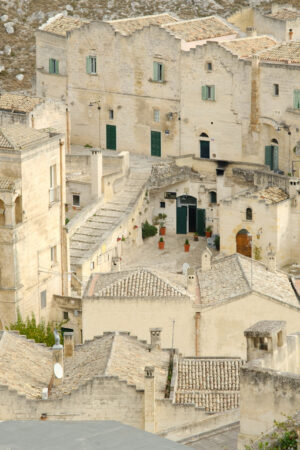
pixel 197 333
pixel 62 217
pixel 68 131
pixel 32 121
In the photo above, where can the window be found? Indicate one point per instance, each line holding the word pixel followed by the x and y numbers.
pixel 53 254
pixel 66 315
pixel 276 89
pixel 297 99
pixel 208 93
pixel 271 156
pixel 43 299
pixel 279 339
pixel 158 72
pixel 53 66
pixel 111 114
pixel 156 115
pixel 91 64
pixel 92 265
pixel 213 197
pixel 162 204
pixel 248 214
pixel 209 66
pixel 52 190
pixel 76 200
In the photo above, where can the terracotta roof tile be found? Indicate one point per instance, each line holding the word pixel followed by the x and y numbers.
pixel 287 52
pixel 285 14
pixel 246 47
pixel 18 102
pixel 61 24
pixel 128 26
pixel 7 183
pixel 20 137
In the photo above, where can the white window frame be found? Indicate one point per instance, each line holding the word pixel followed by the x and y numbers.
pixel 156 115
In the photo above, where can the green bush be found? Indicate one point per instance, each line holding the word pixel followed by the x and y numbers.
pixel 148 230
pixel 217 242
pixel 41 333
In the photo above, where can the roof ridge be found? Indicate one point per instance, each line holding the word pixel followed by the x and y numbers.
pixel 109 359
pixel 5 138
pixel 237 255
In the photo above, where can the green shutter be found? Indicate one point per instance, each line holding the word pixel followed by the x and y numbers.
pixel 296 99
pixel 269 156
pixel 162 72
pixel 57 66
pixel 155 71
pixel 275 157
pixel 201 222
pixel 213 93
pixel 50 65
pixel 88 64
pixel 204 93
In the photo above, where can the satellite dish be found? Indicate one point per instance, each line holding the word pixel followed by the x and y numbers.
pixel 185 268
pixel 58 371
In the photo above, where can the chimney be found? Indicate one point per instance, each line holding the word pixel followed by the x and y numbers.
pixel 96 174
pixel 155 338
pixel 149 400
pixel 58 360
pixel 251 32
pixel 206 260
pixel 191 281
pixel 271 262
pixel 291 34
pixel 68 344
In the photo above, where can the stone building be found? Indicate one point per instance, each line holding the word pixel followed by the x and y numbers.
pixel 33 263
pixel 270 382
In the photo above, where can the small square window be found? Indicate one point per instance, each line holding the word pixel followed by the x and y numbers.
pixel 92 265
pixel 91 65
pixel 66 315
pixel 156 115
pixel 162 204
pixel 276 89
pixel 53 66
pixel 158 71
pixel 209 66
pixel 43 297
pixel 53 254
pixel 76 200
pixel 111 113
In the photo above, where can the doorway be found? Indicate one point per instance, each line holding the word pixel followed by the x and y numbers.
pixel 271 155
pixel 111 137
pixel 243 243
pixel 204 146
pixel 155 143
pixel 188 219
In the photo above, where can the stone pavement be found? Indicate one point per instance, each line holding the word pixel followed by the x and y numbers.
pixel 170 259
pixel 224 439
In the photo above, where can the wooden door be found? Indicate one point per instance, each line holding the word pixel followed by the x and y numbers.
pixel 204 149
pixel 243 244
pixel 111 137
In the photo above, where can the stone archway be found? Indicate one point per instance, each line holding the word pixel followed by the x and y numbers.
pixel 243 243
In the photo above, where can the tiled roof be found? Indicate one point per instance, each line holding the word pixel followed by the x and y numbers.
pixel 7 183
pixel 18 102
pixel 271 195
pixel 114 354
pixel 61 24
pixel 247 47
pixel 128 26
pixel 24 366
pixel 199 29
pixel 233 276
pixel 134 283
pixel 287 52
pixel 285 14
pixel 18 137
pixel 211 383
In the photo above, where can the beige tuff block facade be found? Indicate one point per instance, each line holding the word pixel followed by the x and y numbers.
pixel 32 255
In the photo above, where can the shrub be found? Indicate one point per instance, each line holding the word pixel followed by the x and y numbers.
pixel 217 242
pixel 148 230
pixel 88 146
pixel 186 242
pixel 161 239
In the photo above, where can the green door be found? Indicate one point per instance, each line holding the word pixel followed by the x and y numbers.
pixel 271 156
pixel 111 137
pixel 201 222
pixel 204 149
pixel 181 216
pixel 155 143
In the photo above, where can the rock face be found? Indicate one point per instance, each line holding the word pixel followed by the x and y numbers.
pixel 9 27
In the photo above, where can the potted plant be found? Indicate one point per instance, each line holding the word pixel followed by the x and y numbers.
pixel 196 236
pixel 186 246
pixel 123 238
pixel 208 231
pixel 161 244
pixel 162 224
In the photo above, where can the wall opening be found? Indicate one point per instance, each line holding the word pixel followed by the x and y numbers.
pixel 18 209
pixel 2 213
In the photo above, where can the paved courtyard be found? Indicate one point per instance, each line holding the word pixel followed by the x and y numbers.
pixel 170 259
pixel 225 439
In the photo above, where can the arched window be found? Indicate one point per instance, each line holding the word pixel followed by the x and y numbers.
pixel 2 213
pixel 274 141
pixel 213 197
pixel 204 135
pixel 248 214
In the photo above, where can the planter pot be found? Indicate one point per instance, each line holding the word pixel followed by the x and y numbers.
pixel 196 238
pixel 162 231
pixel 161 245
pixel 186 247
pixel 208 234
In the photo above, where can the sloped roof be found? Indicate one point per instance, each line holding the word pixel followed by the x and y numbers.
pixel 18 102
pixel 114 354
pixel 61 24
pixel 199 29
pixel 128 26
pixel 211 383
pixel 272 194
pixel 133 283
pixel 284 14
pixel 247 47
pixel 7 183
pixel 233 276
pixel 20 137
pixel 24 366
pixel 285 53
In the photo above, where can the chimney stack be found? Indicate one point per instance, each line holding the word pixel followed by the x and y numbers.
pixel 155 338
pixel 191 281
pixel 96 174
pixel 271 264
pixel 251 32
pixel 206 260
pixel 68 344
pixel 149 399
pixel 291 34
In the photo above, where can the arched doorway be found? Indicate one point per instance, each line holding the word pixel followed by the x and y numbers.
pixel 2 213
pixel 243 243
pixel 271 155
pixel 204 146
pixel 188 217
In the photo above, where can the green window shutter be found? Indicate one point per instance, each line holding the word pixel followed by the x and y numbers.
pixel 88 64
pixel 204 93
pixel 269 156
pixel 155 71
pixel 296 99
pixel 275 157
pixel 50 65
pixel 162 72
pixel 57 66
pixel 213 97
